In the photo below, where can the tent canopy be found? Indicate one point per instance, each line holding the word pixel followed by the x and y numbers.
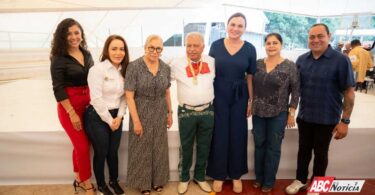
pixel 315 8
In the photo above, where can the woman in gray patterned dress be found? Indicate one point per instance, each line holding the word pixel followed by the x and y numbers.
pixel 147 85
pixel 276 78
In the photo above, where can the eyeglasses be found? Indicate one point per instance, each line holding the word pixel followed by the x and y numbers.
pixel 152 49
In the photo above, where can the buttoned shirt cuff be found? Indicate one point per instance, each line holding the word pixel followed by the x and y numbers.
pixel 122 109
pixel 109 119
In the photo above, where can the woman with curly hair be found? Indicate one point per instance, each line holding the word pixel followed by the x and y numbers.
pixel 70 64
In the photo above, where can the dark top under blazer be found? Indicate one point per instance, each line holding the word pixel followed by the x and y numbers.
pixel 66 71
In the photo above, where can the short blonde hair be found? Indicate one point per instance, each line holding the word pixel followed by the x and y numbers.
pixel 152 37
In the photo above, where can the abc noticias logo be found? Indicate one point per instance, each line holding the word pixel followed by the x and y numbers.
pixel 329 184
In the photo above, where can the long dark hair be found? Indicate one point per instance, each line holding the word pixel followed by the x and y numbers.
pixel 105 53
pixel 59 45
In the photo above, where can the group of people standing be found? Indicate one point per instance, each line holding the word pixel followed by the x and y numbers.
pixel 216 95
pixel 91 102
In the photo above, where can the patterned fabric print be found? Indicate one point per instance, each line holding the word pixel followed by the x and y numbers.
pixel 271 90
pixel 148 161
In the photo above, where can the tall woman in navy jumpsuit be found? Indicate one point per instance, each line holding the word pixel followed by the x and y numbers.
pixel 235 63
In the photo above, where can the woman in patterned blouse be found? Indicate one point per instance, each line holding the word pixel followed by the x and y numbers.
pixel 276 78
pixel 147 83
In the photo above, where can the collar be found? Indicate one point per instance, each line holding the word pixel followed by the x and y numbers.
pixel 144 65
pixel 108 65
pixel 327 53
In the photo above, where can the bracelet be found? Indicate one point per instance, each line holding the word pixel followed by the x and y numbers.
pixel 70 110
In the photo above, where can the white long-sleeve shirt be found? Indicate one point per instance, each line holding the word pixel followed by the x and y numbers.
pixel 187 92
pixel 106 90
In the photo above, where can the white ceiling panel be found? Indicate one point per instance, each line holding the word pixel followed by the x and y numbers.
pixel 310 7
pixel 304 7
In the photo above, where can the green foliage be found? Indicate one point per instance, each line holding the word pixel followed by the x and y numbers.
pixel 332 23
pixel 372 22
pixel 293 28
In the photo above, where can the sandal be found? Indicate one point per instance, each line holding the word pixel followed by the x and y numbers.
pixel 158 188
pixel 257 185
pixel 146 192
pixel 266 189
pixel 77 185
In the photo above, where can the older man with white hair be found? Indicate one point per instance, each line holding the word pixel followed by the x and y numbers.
pixel 194 74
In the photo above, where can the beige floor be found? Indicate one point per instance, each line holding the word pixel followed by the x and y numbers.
pixel 371 91
pixel 169 189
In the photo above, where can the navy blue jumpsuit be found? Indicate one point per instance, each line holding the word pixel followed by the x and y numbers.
pixel 228 155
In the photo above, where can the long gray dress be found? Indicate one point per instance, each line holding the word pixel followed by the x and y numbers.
pixel 148 162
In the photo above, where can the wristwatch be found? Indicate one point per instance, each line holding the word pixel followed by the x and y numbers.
pixel 345 121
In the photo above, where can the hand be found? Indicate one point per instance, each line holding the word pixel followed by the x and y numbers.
pixel 138 129
pixel 291 122
pixel 76 121
pixel 169 120
pixel 116 123
pixel 249 109
pixel 340 130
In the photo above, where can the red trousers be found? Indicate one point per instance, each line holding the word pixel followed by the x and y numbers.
pixel 79 98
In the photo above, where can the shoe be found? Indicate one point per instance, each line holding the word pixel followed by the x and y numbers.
pixel 203 185
pixel 146 192
pixel 257 185
pixel 158 188
pixel 77 185
pixel 266 189
pixel 217 185
pixel 182 187
pixel 104 190
pixel 295 187
pixel 116 188
pixel 237 186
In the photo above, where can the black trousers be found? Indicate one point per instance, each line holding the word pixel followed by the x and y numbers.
pixel 317 138
pixel 105 143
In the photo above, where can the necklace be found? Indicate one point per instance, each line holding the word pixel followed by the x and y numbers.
pixel 195 80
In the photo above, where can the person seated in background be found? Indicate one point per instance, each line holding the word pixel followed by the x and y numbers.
pixel 195 75
pixel 347 48
pixel 339 47
pixel 369 48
